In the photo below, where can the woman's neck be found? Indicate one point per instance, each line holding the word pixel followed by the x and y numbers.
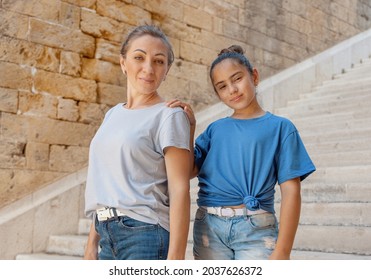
pixel 142 101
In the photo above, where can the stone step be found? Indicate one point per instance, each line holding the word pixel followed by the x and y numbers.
pixel 334 92
pixel 339 96
pixel 342 84
pixel 73 245
pixel 45 256
pixel 334 214
pixel 348 158
pixel 336 135
pixel 332 192
pixel 84 226
pixel 325 108
pixel 341 174
pixel 338 146
pixel 334 239
pixel 315 255
pixel 353 73
pixel 343 192
pixel 333 125
pixel 338 90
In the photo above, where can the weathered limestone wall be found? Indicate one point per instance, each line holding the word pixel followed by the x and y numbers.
pixel 59 70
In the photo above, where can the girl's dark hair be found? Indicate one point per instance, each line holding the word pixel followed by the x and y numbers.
pixel 233 52
pixel 151 30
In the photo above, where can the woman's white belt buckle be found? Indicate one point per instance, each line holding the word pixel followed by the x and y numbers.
pixel 107 213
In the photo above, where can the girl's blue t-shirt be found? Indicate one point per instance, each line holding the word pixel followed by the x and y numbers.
pixel 241 161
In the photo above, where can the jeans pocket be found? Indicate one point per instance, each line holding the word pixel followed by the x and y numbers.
pixel 263 221
pixel 132 224
pixel 200 215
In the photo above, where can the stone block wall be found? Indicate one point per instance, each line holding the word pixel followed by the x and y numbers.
pixel 60 73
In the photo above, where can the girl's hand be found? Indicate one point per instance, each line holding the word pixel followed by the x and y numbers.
pixel 186 107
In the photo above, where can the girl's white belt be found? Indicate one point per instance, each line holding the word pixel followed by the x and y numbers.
pixel 231 212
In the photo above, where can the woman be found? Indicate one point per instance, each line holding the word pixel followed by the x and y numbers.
pixel 137 189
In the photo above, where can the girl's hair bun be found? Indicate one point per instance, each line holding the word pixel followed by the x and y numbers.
pixel 232 49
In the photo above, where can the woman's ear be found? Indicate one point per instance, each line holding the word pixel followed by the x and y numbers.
pixel 122 64
pixel 167 71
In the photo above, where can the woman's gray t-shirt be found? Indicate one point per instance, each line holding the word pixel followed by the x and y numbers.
pixel 126 161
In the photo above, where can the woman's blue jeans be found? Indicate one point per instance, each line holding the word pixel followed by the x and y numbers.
pixel 125 238
pixel 236 238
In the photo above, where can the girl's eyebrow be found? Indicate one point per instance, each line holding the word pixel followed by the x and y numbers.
pixel 157 54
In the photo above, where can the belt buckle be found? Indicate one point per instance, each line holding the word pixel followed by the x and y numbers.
pixel 228 209
pixel 103 214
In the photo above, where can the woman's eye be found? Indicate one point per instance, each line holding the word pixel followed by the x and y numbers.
pixel 160 62
pixel 138 57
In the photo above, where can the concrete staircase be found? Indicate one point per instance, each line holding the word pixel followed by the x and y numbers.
pixel 333 120
pixel 335 125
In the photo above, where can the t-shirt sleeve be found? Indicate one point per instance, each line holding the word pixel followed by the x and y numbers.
pixel 201 149
pixel 175 131
pixel 293 160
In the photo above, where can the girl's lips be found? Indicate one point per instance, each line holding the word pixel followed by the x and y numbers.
pixel 237 98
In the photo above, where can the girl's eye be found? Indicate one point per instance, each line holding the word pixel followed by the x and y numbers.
pixel 221 87
pixel 238 78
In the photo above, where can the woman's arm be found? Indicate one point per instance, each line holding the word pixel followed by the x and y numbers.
pixel 91 250
pixel 178 170
pixel 289 219
pixel 192 120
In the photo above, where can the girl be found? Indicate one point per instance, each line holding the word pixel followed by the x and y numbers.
pixel 238 160
pixel 137 189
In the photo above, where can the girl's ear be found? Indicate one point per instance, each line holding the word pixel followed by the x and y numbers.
pixel 255 77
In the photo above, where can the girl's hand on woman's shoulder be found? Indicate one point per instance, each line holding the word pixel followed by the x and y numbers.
pixel 186 107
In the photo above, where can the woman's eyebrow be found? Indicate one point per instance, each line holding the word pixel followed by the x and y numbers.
pixel 157 54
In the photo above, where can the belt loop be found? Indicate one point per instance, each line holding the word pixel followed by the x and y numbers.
pixel 218 211
pixel 114 213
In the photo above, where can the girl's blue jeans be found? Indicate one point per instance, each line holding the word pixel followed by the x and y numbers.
pixel 235 238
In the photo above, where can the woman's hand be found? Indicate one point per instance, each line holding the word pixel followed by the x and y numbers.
pixel 91 250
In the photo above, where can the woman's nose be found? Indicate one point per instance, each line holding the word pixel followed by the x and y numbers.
pixel 148 67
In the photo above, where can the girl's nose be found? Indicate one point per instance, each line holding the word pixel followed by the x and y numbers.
pixel 232 89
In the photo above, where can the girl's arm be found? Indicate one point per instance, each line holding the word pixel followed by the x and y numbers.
pixel 178 170
pixel 289 219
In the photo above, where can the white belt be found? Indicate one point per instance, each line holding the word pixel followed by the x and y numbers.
pixel 231 212
pixel 106 213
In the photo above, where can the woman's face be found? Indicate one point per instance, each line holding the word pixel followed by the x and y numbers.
pixel 145 64
pixel 234 84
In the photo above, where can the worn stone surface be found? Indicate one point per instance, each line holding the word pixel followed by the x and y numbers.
pixel 60 72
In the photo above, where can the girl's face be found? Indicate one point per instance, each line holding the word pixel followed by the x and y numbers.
pixel 145 64
pixel 234 84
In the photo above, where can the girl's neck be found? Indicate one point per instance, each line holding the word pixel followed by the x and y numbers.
pixel 251 112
